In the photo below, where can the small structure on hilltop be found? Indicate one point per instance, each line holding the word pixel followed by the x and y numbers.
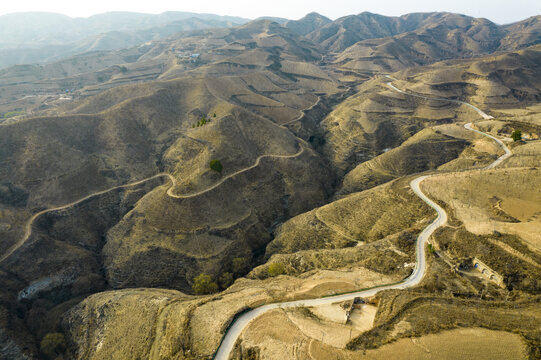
pixel 488 272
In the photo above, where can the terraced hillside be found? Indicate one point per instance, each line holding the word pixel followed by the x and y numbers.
pixel 181 183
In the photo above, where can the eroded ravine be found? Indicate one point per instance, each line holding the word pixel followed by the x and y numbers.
pixel 30 222
pixel 240 323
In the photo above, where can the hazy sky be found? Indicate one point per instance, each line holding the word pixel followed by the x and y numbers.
pixel 500 11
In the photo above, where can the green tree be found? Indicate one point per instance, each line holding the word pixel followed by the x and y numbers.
pixel 216 165
pixel 214 115
pixel 276 269
pixel 431 249
pixel 239 265
pixel 226 279
pixel 52 345
pixel 203 284
pixel 516 135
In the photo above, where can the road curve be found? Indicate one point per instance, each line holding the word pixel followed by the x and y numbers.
pixel 30 222
pixel 257 162
pixel 507 154
pixel 479 111
pixel 233 333
pixel 303 112
pixel 235 330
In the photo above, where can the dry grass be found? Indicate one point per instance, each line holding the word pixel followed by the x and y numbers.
pixel 466 343
pixel 514 193
pixel 425 150
pixel 361 217
pixel 377 119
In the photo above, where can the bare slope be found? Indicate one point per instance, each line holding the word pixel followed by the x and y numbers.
pixel 377 119
pixel 131 133
pixel 425 150
pixel 438 37
pixel 307 24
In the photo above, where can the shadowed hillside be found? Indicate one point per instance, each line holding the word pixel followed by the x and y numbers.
pixel 150 195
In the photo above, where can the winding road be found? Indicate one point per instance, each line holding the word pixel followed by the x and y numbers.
pixel 243 320
pixel 257 162
pixel 30 222
pixel 235 330
pixel 498 161
pixel 479 111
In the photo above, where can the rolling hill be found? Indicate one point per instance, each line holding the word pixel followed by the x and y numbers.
pixel 49 37
pixel 151 193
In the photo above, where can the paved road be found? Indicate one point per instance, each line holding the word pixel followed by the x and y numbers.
pixel 415 278
pixel 507 154
pixel 233 333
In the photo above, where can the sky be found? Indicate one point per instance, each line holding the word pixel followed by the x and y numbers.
pixel 499 11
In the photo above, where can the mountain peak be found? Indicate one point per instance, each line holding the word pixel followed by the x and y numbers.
pixel 308 23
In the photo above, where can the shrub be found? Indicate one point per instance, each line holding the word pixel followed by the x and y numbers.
pixel 203 285
pixel 516 135
pixel 276 269
pixel 216 165
pixel 226 279
pixel 431 249
pixel 52 345
pixel 12 114
pixel 239 265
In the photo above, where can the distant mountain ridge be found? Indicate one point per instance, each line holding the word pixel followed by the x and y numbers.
pixel 386 42
pixel 375 42
pixel 346 31
pixel 307 24
pixel 43 37
pixel 36 28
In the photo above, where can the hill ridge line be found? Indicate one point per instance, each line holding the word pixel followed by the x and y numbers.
pixel 237 326
pixel 29 223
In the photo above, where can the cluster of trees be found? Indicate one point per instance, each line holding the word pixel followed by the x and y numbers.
pixel 203 284
pixel 203 121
